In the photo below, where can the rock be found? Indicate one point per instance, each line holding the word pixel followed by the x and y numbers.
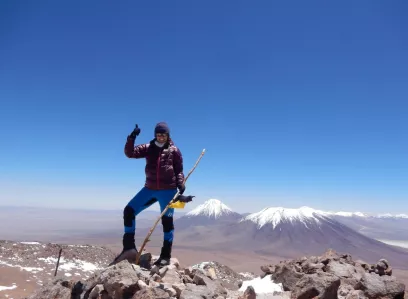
pixel 142 285
pixel 310 268
pixel 211 273
pixel 384 287
pixel 213 286
pixel 145 260
pixel 172 277
pixel 151 293
pixel 120 280
pixel 189 272
pixel 186 279
pixel 156 277
pixel 163 271
pixel 168 289
pixel 356 294
pixel 321 285
pixel 249 293
pixel 287 275
pixel 193 291
pixel 343 291
pixel 154 270
pixel 54 289
pixel 104 295
pixel 340 269
pixel 179 288
pixel 96 291
pixel 174 261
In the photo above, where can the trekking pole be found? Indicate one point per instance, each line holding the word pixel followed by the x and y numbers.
pixel 165 210
pixel 56 268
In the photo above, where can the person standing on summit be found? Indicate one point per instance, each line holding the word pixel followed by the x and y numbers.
pixel 164 176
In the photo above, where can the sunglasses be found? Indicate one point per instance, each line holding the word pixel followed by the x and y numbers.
pixel 161 135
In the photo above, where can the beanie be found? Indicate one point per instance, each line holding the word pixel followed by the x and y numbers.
pixel 162 127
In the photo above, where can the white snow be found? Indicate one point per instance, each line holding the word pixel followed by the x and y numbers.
pixel 349 214
pixel 28 269
pixel 68 265
pixel 3 288
pixel 276 215
pixel 387 215
pixel 262 286
pixel 211 208
pixel 30 243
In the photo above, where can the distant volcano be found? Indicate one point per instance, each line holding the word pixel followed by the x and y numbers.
pixel 211 212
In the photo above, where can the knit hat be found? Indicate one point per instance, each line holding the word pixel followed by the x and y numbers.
pixel 162 127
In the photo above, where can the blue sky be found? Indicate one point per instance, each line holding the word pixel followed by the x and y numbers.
pixel 296 104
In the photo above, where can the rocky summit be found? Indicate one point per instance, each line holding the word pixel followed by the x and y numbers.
pixel 329 276
pixel 334 275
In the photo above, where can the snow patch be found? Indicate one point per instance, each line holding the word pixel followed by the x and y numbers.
pixel 349 214
pixel 262 286
pixel 30 243
pixel 28 269
pixel 68 265
pixel 211 208
pixel 387 215
pixel 3 288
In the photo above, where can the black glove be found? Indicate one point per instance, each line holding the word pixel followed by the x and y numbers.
pixel 182 188
pixel 185 198
pixel 135 132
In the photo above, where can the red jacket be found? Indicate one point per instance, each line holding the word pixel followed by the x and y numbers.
pixel 164 166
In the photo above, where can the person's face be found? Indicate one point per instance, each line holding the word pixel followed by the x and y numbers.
pixel 161 137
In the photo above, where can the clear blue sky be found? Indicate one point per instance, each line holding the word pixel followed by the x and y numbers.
pixel 297 103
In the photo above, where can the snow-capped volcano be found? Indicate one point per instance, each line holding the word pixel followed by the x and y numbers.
pixel 211 208
pixel 212 211
pixel 277 215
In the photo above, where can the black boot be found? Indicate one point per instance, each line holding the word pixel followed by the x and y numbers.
pixel 165 254
pixel 129 251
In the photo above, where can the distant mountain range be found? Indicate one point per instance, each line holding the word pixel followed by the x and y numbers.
pixel 283 232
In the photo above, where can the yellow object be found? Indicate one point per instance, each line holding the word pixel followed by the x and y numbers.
pixel 177 205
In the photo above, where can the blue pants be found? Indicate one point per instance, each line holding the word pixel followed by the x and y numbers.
pixel 144 199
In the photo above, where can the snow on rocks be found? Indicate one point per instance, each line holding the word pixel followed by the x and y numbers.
pixel 126 280
pixel 40 260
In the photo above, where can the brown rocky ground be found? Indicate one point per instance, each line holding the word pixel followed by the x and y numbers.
pixel 329 276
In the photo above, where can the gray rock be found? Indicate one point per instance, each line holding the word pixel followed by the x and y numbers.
pixel 384 287
pixel 96 291
pixel 356 294
pixel 193 291
pixel 179 288
pixel 287 275
pixel 168 288
pixel 172 277
pixel 151 293
pixel 323 285
pixel 213 286
pixel 249 293
pixel 120 280
pixel 343 291
pixel 310 268
pixel 340 269
pixel 163 271
pixel 142 285
pixel 57 288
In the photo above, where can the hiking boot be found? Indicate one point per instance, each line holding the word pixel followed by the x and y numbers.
pixel 162 262
pixel 129 251
pixel 129 255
